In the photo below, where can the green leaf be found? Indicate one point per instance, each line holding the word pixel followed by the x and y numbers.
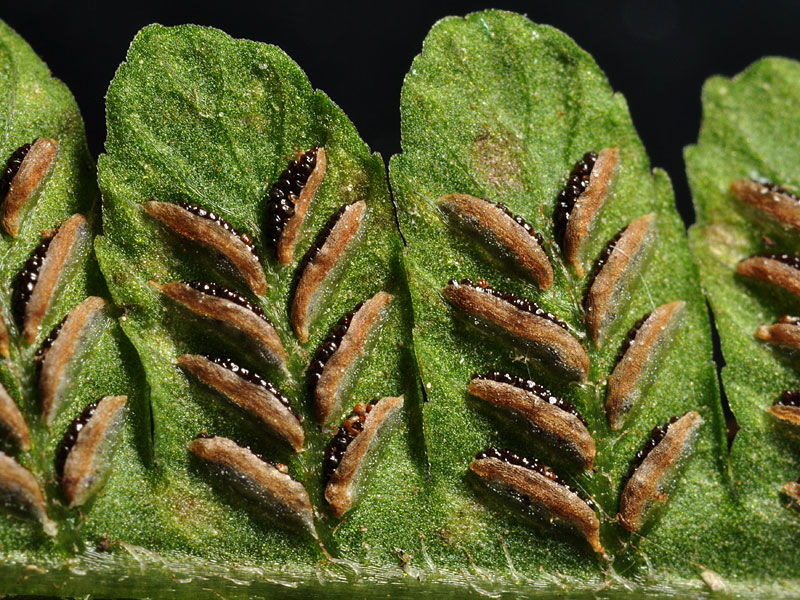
pixel 750 130
pixel 500 108
pixel 496 107
pixel 35 105
pixel 196 116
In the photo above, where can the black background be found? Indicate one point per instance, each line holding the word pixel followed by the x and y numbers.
pixel 656 53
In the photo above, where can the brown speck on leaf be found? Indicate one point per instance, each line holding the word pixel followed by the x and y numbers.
pixel 106 544
pixel 445 535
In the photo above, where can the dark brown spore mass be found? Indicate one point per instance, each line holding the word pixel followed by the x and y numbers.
pixel 658 433
pixel 789 398
pixel 350 428
pixel 778 189
pixel 12 168
pixel 602 260
pixel 284 192
pixel 789 259
pixel 329 346
pixel 71 436
pixel 252 377
pixel 576 185
pixel 48 342
pixel 630 337
pixel 522 222
pixel 41 351
pixel 512 458
pixel 220 291
pixel 26 279
pixel 215 218
pixel 519 302
pixel 531 386
pixel 319 241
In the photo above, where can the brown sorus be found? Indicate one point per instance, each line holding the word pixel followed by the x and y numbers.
pixel 580 202
pixel 83 460
pixel 544 492
pixel 502 229
pixel 640 353
pixel 250 392
pixel 364 429
pixel 555 419
pixel 614 275
pixel 654 468
pixel 782 270
pixel 787 407
pixel 774 201
pixel 5 349
pixel 289 199
pixel 232 310
pixel 524 322
pixel 37 283
pixel 12 423
pixel 785 332
pixel 338 355
pixel 61 354
pixel 209 229
pixel 329 251
pixel 259 481
pixel 20 492
pixel 25 170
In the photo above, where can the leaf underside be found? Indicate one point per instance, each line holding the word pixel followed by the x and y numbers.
pixel 750 130
pixel 499 108
pixel 35 105
pixel 496 107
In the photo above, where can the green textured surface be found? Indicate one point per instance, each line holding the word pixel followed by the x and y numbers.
pixel 494 106
pixel 750 129
pixel 500 108
pixel 34 104
pixel 197 116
